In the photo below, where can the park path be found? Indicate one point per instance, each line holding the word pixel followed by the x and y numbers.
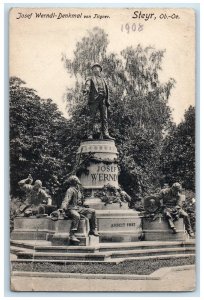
pixel 174 280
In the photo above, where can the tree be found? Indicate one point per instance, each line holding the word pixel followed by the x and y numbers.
pixel 178 154
pixel 37 147
pixel 138 99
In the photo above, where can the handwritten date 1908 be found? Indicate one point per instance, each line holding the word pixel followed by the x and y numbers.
pixel 128 28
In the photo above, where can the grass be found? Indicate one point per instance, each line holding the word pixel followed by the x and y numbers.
pixel 127 267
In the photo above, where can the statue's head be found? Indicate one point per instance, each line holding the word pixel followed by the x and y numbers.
pixel 73 180
pixel 176 187
pixel 96 69
pixel 38 184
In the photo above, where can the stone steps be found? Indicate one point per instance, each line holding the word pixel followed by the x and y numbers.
pixel 145 245
pixel 29 244
pixel 103 256
pixel 16 250
pixel 152 252
pixel 43 251
pixel 105 247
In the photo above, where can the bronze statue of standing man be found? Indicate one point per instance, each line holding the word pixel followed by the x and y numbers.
pixel 96 92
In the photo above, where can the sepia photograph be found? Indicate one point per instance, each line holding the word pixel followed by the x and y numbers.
pixel 102 149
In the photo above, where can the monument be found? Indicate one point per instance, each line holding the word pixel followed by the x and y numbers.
pixel 98 170
pixel 102 215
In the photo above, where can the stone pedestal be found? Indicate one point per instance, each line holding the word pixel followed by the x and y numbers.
pixel 62 230
pixel 159 230
pixel 32 228
pixel 102 167
pixel 57 232
pixel 118 225
pixel 98 167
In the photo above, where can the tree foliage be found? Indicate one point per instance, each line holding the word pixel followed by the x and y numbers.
pixel 178 154
pixel 37 131
pixel 139 113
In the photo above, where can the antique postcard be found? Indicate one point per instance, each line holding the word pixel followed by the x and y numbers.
pixel 102 149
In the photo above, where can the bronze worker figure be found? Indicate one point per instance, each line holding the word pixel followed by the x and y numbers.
pixel 96 93
pixel 73 207
pixel 172 207
pixel 37 202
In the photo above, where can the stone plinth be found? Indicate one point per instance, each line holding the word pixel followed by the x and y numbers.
pixel 57 232
pixel 118 225
pixel 102 168
pixel 116 222
pixel 159 230
pixel 62 230
pixel 32 228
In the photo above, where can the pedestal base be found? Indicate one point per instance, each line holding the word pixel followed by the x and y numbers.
pixel 32 228
pixel 159 230
pixel 62 230
pixel 57 232
pixel 119 226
